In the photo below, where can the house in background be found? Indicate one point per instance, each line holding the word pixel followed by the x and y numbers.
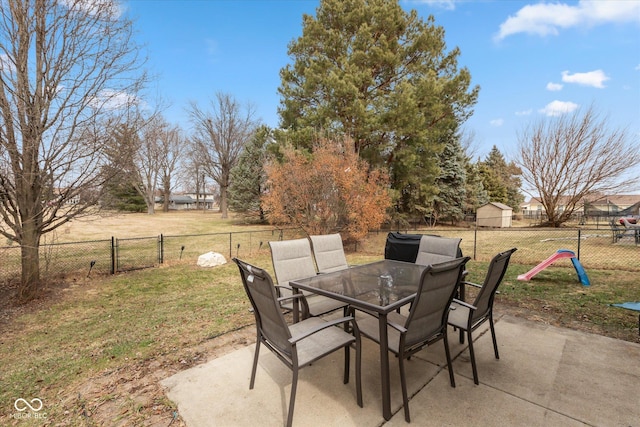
pixel 180 202
pixel 594 205
pixel 494 214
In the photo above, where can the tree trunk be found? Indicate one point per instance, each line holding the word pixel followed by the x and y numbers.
pixel 223 202
pixel 30 258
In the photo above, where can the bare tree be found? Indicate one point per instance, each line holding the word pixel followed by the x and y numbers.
pixel 220 135
pixel 65 66
pixel 570 157
pixel 147 160
pixel 171 143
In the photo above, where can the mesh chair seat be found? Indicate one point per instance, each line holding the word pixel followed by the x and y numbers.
pixel 468 317
pixel 300 344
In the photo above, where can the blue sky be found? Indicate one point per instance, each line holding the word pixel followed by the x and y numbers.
pixel 531 59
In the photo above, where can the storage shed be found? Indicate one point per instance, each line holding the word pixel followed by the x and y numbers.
pixel 494 214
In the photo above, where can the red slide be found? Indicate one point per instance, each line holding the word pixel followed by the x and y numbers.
pixel 562 253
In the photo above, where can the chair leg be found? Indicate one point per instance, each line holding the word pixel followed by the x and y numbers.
pixel 493 336
pixel 292 399
pixel 359 372
pixel 403 384
pixel 347 360
pixel 473 357
pixel 447 352
pixel 255 363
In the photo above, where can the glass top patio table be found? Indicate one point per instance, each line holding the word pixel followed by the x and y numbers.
pixel 380 287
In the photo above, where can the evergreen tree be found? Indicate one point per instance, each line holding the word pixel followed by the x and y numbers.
pixel 248 176
pixel 448 204
pixel 502 179
pixel 476 194
pixel 382 76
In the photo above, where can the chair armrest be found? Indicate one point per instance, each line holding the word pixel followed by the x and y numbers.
pixel 465 304
pixel 397 327
pixel 318 328
pixel 292 296
pixel 475 285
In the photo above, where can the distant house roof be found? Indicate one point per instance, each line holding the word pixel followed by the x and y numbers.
pixel 179 200
pixel 593 201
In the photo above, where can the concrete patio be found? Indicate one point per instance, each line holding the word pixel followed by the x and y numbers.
pixel 546 376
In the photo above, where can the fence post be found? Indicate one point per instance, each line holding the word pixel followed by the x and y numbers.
pixel 475 241
pixel 113 255
pixel 579 239
pixel 161 249
pixel 230 246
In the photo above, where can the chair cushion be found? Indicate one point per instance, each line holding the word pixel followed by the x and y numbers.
pixel 319 344
pixel 459 316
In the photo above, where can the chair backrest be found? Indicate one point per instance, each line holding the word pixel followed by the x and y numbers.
pixel 436 249
pixel 430 309
pixel 262 295
pixel 329 253
pixel 292 260
pixel 495 274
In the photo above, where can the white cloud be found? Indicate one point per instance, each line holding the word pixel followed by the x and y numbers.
pixel 443 4
pixel 544 19
pixel 110 8
pixel 496 122
pixel 638 67
pixel 554 86
pixel 524 112
pixel 557 108
pixel 114 100
pixel 594 78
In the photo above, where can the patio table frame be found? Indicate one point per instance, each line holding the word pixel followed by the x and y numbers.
pixel 359 287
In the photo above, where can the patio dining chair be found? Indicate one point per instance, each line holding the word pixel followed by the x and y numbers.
pixel 292 260
pixel 468 317
pixel 300 344
pixel 435 249
pixel 631 229
pixel 426 322
pixel 328 252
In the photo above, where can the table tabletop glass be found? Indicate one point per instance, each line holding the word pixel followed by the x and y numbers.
pixel 381 286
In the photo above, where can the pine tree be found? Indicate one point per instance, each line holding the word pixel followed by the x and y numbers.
pixel 448 204
pixel 502 179
pixel 382 76
pixel 248 176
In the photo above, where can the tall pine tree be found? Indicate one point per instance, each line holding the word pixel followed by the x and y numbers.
pixel 448 204
pixel 248 176
pixel 382 76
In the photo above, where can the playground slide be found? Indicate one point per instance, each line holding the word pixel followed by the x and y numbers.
pixel 562 253
pixel 582 275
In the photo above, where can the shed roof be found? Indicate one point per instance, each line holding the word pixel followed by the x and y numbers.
pixel 498 205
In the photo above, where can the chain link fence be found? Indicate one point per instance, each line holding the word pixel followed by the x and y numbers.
pixel 596 247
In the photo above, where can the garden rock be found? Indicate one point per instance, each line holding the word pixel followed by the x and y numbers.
pixel 211 259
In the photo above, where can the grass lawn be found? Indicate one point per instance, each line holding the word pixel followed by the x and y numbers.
pixel 93 349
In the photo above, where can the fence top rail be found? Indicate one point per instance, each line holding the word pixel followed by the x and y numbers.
pixel 226 233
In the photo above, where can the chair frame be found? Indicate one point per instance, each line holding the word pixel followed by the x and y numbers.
pixel 285 344
pixel 482 308
pixel 438 332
